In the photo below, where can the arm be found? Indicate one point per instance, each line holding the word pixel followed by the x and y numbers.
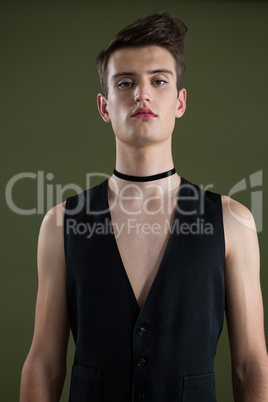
pixel 44 370
pixel 244 306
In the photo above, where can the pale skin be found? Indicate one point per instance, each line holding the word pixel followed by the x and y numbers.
pixel 143 147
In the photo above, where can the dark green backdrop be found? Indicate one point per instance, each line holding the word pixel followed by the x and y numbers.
pixel 50 123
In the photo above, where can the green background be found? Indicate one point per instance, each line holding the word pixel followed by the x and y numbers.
pixel 50 123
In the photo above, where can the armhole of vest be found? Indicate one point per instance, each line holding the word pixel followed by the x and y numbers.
pixel 64 228
pixel 222 229
pixel 69 205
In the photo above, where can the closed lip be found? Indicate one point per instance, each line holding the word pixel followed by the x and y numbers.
pixel 144 111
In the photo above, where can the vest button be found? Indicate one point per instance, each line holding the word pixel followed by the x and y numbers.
pixel 140 362
pixel 141 331
pixel 140 396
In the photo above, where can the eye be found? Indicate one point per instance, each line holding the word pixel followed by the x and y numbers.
pixel 160 83
pixel 125 84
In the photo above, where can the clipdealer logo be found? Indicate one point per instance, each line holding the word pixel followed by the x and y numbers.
pixel 49 194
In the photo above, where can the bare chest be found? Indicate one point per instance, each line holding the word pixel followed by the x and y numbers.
pixel 141 241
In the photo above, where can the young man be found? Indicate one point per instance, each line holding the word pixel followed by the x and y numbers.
pixel 146 301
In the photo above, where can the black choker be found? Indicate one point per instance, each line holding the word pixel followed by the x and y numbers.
pixel 144 178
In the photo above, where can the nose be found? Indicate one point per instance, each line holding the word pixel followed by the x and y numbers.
pixel 142 93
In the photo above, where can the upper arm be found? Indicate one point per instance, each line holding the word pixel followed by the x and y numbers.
pixel 51 330
pixel 244 306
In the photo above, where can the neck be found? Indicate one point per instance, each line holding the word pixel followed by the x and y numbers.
pixel 144 161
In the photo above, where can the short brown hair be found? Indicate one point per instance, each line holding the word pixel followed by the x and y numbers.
pixel 156 29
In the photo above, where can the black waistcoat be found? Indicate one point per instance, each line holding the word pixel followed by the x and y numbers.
pixel 165 352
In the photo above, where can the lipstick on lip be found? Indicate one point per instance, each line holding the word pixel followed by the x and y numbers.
pixel 143 113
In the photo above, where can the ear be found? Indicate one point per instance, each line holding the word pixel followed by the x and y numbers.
pixel 103 107
pixel 181 103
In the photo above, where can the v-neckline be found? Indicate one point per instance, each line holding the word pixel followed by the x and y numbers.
pixel 183 180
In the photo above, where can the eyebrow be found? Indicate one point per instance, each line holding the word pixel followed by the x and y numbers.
pixel 131 74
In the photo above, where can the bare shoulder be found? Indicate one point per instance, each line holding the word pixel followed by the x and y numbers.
pixel 54 218
pixel 51 240
pixel 234 212
pixel 239 225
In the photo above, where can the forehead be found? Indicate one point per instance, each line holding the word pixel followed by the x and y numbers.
pixel 140 60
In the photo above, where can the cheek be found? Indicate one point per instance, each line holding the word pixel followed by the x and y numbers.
pixel 121 113
pixel 118 117
pixel 170 101
pixel 118 106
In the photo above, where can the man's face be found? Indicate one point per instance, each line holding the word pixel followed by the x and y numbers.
pixel 142 78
